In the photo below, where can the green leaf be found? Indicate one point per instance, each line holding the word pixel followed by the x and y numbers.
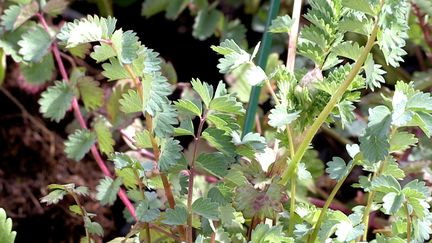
pixel 146 212
pixel 89 29
pixel 34 44
pixel 39 72
pixel 234 56
pixel 374 74
pixel 56 100
pixel 16 15
pixel 263 233
pixel 400 116
pixel 392 202
pixel 280 117
pixel 79 143
pixel 6 233
pixel 249 145
pixel 93 227
pixel 217 139
pixel 129 47
pixel 392 169
pixel 131 102
pixel 400 141
pixel 174 8
pixel 206 23
pixel 158 89
pixel 107 190
pixel 92 95
pixel 186 128
pixel 348 49
pixel 424 121
pixel 176 216
pixel 55 7
pixel 206 208
pixel 142 139
pixel 337 168
pixel 227 104
pixel 281 24
pixel 170 154
pixel 164 121
pixel 113 104
pixel 385 184
pixel 122 160
pixel 374 143
pixel 102 52
pixel 153 7
pixel 204 90
pixel 214 163
pixel 188 107
pixel 365 6
pixel 104 136
pixel 75 209
pixel 53 197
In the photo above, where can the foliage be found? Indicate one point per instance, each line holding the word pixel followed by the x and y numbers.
pixel 227 184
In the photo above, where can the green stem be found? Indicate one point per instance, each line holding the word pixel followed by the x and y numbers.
pixel 310 134
pixel 83 213
pixel 141 187
pixel 408 223
pixel 326 206
pixel 366 214
pixel 262 62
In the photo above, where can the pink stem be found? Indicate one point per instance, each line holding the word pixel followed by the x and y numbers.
pixel 122 195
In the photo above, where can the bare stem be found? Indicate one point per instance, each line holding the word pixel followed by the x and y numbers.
pixel 80 118
pixel 192 175
pixel 408 223
pixel 326 206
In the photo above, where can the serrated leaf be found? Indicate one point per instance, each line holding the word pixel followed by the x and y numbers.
pixel 204 90
pixel 337 168
pixel 39 72
pixel 392 169
pixel 131 102
pixel 16 15
pixel 385 184
pixel 104 137
pixel 6 233
pixel 364 6
pixel 188 106
pixel 400 141
pixel 53 197
pixel 348 49
pixel 176 216
pixel 281 24
pixel 34 44
pixel 214 163
pixel 280 117
pixel 92 95
pixel 164 121
pixel 107 190
pixel 264 233
pixel 85 30
pixel 79 143
pixel 219 140
pixel 186 128
pixel 170 154
pixel 206 22
pixel 146 212
pixel 93 227
pixel 250 145
pixel 102 52
pixel 392 202
pixel 227 104
pixel 55 7
pixel 374 143
pixel 142 139
pixel 234 56
pixel 374 73
pixel 113 103
pixel 81 50
pixel 56 100
pixel 206 208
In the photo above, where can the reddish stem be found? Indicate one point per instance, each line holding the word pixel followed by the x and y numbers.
pixel 122 195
